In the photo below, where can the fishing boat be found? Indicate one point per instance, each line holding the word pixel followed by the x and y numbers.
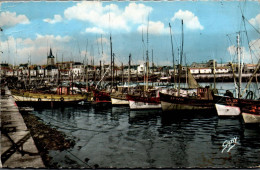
pixel 251 113
pixel 101 98
pixel 228 105
pixel 200 99
pixel 203 99
pixel 118 98
pixel 231 106
pixel 147 100
pixel 25 98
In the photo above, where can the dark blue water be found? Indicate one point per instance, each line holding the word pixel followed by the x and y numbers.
pixel 119 138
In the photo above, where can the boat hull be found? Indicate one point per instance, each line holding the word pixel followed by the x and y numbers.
pixel 143 103
pixel 118 102
pixel 251 118
pixel 170 103
pixel 48 99
pixel 138 105
pixel 226 110
pixel 230 106
pixel 167 106
pixel 41 101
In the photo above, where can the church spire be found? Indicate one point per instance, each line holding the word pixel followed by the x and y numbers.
pixel 50 55
pixel 50 52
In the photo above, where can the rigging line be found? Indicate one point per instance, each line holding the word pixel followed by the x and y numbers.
pixel 250 50
pixel 78 159
pixel 230 46
pixel 252 44
pixel 253 26
pixel 243 17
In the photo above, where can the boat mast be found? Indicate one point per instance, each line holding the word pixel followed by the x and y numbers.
pixel 86 69
pixel 214 72
pixel 239 66
pixel 251 78
pixel 172 55
pixel 129 65
pixel 113 71
pixel 152 67
pixel 147 59
pixel 111 55
pixel 181 54
pixel 29 68
pixel 122 73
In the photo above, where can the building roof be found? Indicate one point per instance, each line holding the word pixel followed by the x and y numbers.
pixel 50 55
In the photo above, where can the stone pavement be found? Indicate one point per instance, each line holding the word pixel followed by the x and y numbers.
pixel 18 149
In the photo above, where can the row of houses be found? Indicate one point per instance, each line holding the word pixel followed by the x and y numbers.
pixel 78 69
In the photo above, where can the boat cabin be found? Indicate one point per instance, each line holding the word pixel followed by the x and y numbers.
pixel 204 93
pixel 63 90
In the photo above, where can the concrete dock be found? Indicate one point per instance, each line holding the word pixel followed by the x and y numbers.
pixel 18 149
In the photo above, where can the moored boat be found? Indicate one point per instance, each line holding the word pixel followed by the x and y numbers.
pixel 251 113
pixel 202 100
pixel 101 98
pixel 119 100
pixel 251 118
pixel 230 106
pixel 227 105
pixel 142 102
pixel 47 98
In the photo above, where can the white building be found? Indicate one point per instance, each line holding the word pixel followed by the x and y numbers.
pixel 221 70
pixel 205 70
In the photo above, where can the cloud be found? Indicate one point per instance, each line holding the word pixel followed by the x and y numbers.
pixel 95 13
pixel 109 16
pixel 36 48
pixel 245 53
pixel 190 20
pixel 153 28
pixel 57 18
pixel 10 19
pixel 255 21
pixel 137 13
pixel 95 30
pixel 232 50
pixel 103 40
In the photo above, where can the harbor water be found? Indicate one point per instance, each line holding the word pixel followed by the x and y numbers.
pixel 117 137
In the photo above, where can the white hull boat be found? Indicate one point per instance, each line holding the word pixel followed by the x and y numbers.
pixel 137 105
pixel 116 101
pixel 225 110
pixel 251 118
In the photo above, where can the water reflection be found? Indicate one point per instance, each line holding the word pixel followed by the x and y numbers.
pixel 118 137
pixel 143 117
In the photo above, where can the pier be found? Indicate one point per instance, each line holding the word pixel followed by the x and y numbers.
pixel 17 145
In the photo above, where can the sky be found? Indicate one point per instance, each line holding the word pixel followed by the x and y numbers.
pixel 81 30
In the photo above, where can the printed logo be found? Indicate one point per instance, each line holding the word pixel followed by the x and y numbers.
pixel 229 144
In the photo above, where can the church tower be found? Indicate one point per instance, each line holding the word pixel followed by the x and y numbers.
pixel 50 58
